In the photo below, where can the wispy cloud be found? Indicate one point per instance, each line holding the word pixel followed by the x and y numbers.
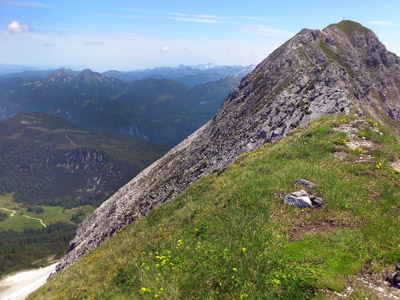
pixel 383 23
pixel 94 43
pixel 254 18
pixel 200 18
pixel 26 3
pixel 264 30
pixel 118 16
pixel 177 16
pixel 16 27
pixel 48 45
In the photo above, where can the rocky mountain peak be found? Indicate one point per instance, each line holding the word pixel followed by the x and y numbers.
pixel 343 69
pixel 88 74
pixel 60 75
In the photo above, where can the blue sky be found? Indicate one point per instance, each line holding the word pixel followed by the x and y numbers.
pixel 128 35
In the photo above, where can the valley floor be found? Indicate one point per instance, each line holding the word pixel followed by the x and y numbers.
pixel 13 213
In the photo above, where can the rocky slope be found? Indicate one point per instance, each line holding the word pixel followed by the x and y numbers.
pixel 341 69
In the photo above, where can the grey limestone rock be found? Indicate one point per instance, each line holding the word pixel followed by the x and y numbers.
pixel 298 199
pixel 300 193
pixel 315 200
pixel 342 69
pixel 305 183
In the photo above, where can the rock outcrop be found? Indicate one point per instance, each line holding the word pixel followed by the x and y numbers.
pixel 341 69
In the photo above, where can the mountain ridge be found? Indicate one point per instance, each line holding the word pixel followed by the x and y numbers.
pixel 101 103
pixel 313 74
pixel 188 75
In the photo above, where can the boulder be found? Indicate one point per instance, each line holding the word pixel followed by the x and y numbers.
pixel 299 199
pixel 305 183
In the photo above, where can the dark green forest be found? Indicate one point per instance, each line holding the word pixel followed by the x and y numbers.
pixel 3 216
pixel 46 160
pixel 33 246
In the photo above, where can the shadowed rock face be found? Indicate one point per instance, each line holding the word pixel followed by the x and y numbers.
pixel 341 69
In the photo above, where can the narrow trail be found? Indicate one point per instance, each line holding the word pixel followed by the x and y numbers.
pixel 41 221
pixel 13 212
pixel 71 141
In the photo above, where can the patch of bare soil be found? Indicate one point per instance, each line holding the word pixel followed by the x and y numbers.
pixel 315 227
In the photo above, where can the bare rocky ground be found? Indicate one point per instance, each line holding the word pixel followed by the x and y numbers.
pixel 372 285
pixel 375 284
pixel 354 142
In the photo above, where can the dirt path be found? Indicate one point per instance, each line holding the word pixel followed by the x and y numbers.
pixel 13 212
pixel 71 141
pixel 40 220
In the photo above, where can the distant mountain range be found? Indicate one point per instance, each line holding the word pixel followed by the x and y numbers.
pixel 155 109
pixel 10 68
pixel 187 75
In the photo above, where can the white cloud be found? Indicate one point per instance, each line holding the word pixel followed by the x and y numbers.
pixel 383 23
pixel 25 3
pixel 264 30
pixel 16 27
pixel 164 49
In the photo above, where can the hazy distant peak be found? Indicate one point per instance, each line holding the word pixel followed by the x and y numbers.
pixel 60 74
pixel 89 75
pixel 87 72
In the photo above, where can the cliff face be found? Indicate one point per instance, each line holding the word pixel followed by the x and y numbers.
pixel 341 69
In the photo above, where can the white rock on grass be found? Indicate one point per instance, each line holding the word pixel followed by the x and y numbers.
pixel 299 199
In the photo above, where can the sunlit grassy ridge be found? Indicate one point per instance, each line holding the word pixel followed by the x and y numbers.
pixel 229 236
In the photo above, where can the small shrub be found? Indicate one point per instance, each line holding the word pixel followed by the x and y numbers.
pixel 339 141
pixel 123 277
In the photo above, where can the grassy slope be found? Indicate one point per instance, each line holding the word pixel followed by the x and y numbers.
pixel 230 236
